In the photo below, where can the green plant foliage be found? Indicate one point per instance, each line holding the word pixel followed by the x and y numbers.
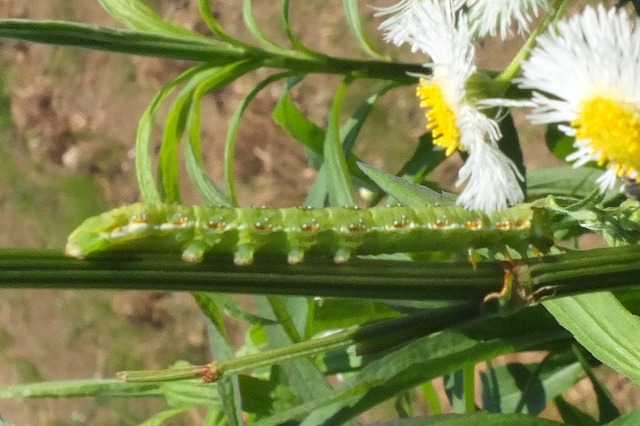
pixel 329 342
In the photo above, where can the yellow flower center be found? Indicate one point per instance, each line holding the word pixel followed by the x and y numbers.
pixel 441 120
pixel 613 131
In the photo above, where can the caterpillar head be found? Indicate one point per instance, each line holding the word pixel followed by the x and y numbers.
pixel 98 233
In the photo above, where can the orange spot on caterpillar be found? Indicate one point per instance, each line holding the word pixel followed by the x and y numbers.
pixel 310 227
pixel 402 222
pixel 522 224
pixel 182 220
pixel 218 225
pixel 442 222
pixel 474 224
pixel 503 224
pixel 142 219
pixel 357 227
pixel 263 226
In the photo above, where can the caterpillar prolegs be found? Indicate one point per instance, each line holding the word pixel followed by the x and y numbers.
pixel 297 232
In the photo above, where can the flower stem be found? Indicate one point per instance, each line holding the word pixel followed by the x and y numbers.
pixel 555 11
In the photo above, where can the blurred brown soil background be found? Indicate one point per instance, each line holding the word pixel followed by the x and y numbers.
pixel 68 120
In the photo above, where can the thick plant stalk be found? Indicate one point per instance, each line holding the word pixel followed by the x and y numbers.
pixel 549 276
pixel 315 277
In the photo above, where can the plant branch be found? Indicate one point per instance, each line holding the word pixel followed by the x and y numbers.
pixel 214 52
pixel 549 276
pixel 362 278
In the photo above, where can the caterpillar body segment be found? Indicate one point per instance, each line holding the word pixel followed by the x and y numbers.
pixel 297 232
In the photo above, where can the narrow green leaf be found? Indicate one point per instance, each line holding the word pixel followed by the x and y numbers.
pixel 144 162
pixel 287 115
pixel 469 389
pixel 341 191
pixel 63 33
pixel 454 388
pixel 204 6
pixel 510 145
pixel 337 313
pixel 284 319
pixel 431 397
pixel 352 13
pixel 351 128
pixel 318 193
pixel 228 387
pixel 604 327
pixel 572 415
pixel 200 178
pixel 229 390
pixel 80 388
pixel 460 389
pixel 190 393
pixel 159 418
pixel 264 397
pixel 606 405
pixel 257 394
pixel 195 166
pixel 348 134
pixel 186 110
pixel 403 405
pixel 566 181
pixel 304 378
pixel 424 159
pixel 137 16
pixel 528 388
pixel 168 160
pixel 232 131
pixel 209 307
pixel 215 418
pixel 253 28
pixel 558 143
pixel 404 191
pixel 232 308
pixel 311 136
pixel 295 41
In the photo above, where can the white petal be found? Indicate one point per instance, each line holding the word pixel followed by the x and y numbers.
pixel 496 16
pixel 491 180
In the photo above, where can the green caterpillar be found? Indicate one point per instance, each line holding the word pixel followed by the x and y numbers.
pixel 297 232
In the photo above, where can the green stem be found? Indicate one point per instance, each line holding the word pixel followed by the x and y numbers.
pixel 573 273
pixel 605 269
pixel 555 11
pixel 316 277
pixel 63 33
pixel 378 336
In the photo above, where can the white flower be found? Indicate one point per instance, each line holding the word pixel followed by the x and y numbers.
pixel 485 17
pixel 588 70
pixel 453 116
pixel 497 16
